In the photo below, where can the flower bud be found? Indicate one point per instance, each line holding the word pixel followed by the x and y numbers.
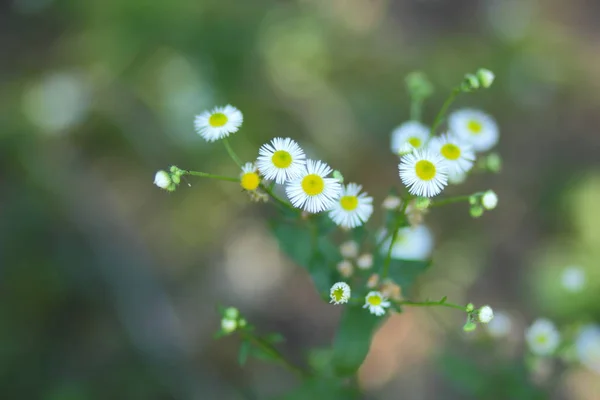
pixel 470 83
pixel 338 175
pixel 391 203
pixel 493 162
pixel 489 200
pixel 421 203
pixel 418 85
pixel 485 77
pixel 231 313
pixel 228 325
pixel 476 211
pixel 470 307
pixel 365 261
pixel 162 179
pixel 469 327
pixel 485 314
pixel 345 268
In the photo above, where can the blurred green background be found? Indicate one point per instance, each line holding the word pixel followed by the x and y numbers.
pixel 108 285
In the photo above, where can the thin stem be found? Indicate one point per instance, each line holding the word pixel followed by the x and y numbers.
pixel 272 351
pixel 457 199
pixel 211 176
pixel 269 191
pixel 415 109
pixel 440 115
pixel 232 154
pixel 428 303
pixel 388 256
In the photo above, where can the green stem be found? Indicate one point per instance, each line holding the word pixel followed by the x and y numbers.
pixel 415 109
pixel 211 176
pixel 232 154
pixel 272 351
pixel 457 199
pixel 394 235
pixel 269 191
pixel 440 115
pixel 428 303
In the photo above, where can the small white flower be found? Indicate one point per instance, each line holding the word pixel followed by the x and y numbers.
pixel 376 302
pixel 162 179
pixel 573 279
pixel 228 325
pixel 412 243
pixel 489 200
pixel 313 191
pixel 409 136
pixel 365 261
pixel 349 249
pixel 458 155
pixel 542 337
pixel 424 173
pixel 218 123
pixel 345 268
pixel 475 127
pixel 391 203
pixel 587 346
pixel 339 293
pixel 352 209
pixel 500 326
pixel 485 314
pixel 249 178
pixel 281 160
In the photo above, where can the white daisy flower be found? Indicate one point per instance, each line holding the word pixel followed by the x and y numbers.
pixel 424 173
pixel 218 123
pixel 573 279
pixel 162 179
pixel 339 293
pixel 313 191
pixel 412 243
pixel 249 178
pixel 489 200
pixel 587 346
pixel 365 261
pixel 458 155
pixel 352 209
pixel 485 314
pixel 376 302
pixel 281 160
pixel 475 127
pixel 349 249
pixel 500 326
pixel 409 136
pixel 542 337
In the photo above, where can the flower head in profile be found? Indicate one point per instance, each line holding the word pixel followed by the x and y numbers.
pixel 249 179
pixel 313 191
pixel 162 179
pixel 587 346
pixel 412 243
pixel 474 127
pixel 424 173
pixel 376 302
pixel 339 293
pixel 353 208
pixel 411 135
pixel 218 123
pixel 485 314
pixel 281 160
pixel 489 200
pixel 542 337
pixel 456 153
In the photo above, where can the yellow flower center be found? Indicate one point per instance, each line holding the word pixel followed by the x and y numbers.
pixel 281 159
pixel 425 170
pixel 415 142
pixel 374 300
pixel 475 126
pixel 541 339
pixel 338 294
pixel 349 203
pixel 217 120
pixel 313 184
pixel 450 151
pixel 250 181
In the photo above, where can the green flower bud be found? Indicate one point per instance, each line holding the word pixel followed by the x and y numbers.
pixel 176 179
pixel 493 162
pixel 470 307
pixel 485 77
pixel 242 323
pixel 228 325
pixel 470 83
pixel 418 85
pixel 476 211
pixel 421 203
pixel 231 313
pixel 469 327
pixel 338 175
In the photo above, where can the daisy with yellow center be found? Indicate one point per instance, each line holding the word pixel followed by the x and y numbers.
pixel 339 293
pixel 376 302
pixel 475 128
pixel 249 179
pixel 313 191
pixel 409 136
pixel 218 123
pixel 424 173
pixel 542 337
pixel 458 155
pixel 352 209
pixel 281 160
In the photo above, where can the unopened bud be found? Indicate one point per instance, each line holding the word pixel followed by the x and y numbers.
pixel 485 77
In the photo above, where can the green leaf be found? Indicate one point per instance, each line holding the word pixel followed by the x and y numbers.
pixel 244 352
pixel 294 240
pixel 353 339
pixel 274 337
pixel 405 272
